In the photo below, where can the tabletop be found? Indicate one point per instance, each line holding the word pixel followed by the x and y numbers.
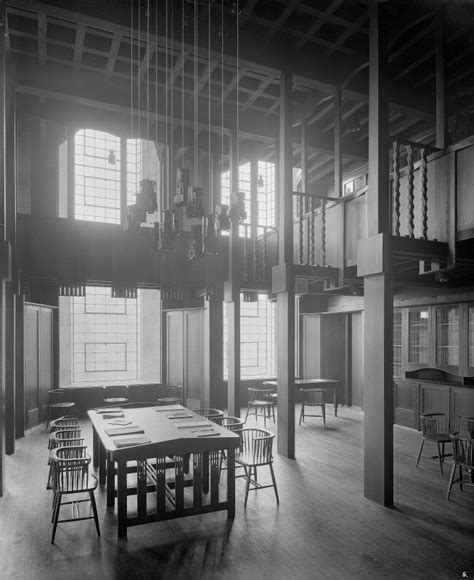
pixel 299 382
pixel 164 433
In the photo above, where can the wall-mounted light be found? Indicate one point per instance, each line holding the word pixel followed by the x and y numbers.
pixel 261 181
pixel 111 158
pixel 355 123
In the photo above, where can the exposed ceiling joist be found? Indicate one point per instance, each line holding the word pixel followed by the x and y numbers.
pixel 78 46
pixel 319 23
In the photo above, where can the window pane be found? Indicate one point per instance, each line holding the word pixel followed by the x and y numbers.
pixel 418 327
pixel 447 335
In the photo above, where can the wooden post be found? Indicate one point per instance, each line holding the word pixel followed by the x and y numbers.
pixel 2 240
pixel 283 280
pixel 341 210
pixel 10 352
pixel 213 355
pixel 232 290
pixel 19 367
pixel 441 111
pixel 374 263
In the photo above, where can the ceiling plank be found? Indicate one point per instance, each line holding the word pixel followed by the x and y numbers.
pixel 145 63
pixel 42 39
pixel 114 50
pixel 354 27
pixel 322 20
pixel 283 17
pixel 258 93
pixel 78 46
pixel 206 75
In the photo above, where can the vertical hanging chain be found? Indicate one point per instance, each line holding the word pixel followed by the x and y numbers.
pixel 301 224
pixel 323 232
pixel 411 192
pixel 424 192
pixel 396 185
pixel 311 247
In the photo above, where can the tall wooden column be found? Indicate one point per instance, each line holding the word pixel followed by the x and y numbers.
pixel 232 290
pixel 374 263
pixel 19 367
pixel 283 279
pixel 4 266
pixel 213 355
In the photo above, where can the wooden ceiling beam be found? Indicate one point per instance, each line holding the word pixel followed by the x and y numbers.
pixel 42 39
pixel 283 17
pixel 78 46
pixel 114 50
pixel 355 26
pixel 205 77
pixel 319 23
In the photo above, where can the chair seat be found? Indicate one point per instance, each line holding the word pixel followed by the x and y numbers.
pixel 64 405
pixel 169 401
pixel 116 400
pixel 91 487
pixel 262 403
pixel 439 438
pixel 248 459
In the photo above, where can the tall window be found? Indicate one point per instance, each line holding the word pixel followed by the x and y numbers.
pixel 105 337
pixel 266 208
pixel 257 338
pixel 397 343
pixel 97 177
pixel 97 174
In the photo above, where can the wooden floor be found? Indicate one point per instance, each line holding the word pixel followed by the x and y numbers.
pixel 323 528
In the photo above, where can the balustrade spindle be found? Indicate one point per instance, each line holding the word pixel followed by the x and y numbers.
pixel 411 192
pixel 396 185
pixel 424 192
pixel 301 224
pixel 323 232
pixel 311 247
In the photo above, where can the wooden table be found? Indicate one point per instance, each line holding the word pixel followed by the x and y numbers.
pixel 327 384
pixel 179 469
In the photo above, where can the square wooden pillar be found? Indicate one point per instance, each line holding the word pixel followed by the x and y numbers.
pixel 375 264
pixel 283 283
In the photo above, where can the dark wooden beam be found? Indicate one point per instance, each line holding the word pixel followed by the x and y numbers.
pixel 232 290
pixel 283 280
pixel 213 355
pixel 374 263
pixel 441 110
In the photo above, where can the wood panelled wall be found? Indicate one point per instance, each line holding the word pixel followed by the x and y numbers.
pixel 38 360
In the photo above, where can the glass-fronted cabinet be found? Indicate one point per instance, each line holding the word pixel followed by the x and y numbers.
pixel 419 335
pixel 447 335
pixel 397 344
pixel 471 337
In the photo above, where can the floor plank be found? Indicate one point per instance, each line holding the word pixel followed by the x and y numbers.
pixel 323 527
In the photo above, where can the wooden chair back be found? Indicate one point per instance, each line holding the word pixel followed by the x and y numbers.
pixel 214 415
pixel 434 425
pixel 312 397
pixel 71 469
pixel 256 445
pixel 259 396
pixel 234 424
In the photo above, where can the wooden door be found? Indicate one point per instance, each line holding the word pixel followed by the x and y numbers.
pixel 357 359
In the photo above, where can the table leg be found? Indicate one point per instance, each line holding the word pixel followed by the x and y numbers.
pixel 122 498
pixel 110 482
pixel 102 465
pixel 95 448
pixel 231 483
pixel 335 402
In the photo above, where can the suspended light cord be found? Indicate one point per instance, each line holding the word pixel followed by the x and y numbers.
pixel 196 86
pixel 222 83
pixel 131 69
pixel 210 180
pixel 237 49
pixel 172 90
pixel 182 79
pixel 139 96
pixel 148 49
pixel 156 74
pixel 168 168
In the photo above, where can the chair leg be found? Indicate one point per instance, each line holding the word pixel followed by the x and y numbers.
pixel 274 483
pixel 460 478
pixel 440 457
pixel 265 417
pixel 419 452
pixel 248 476
pixel 323 410
pixel 56 515
pixel 94 509
pixel 451 479
pixel 247 414
pixel 301 413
